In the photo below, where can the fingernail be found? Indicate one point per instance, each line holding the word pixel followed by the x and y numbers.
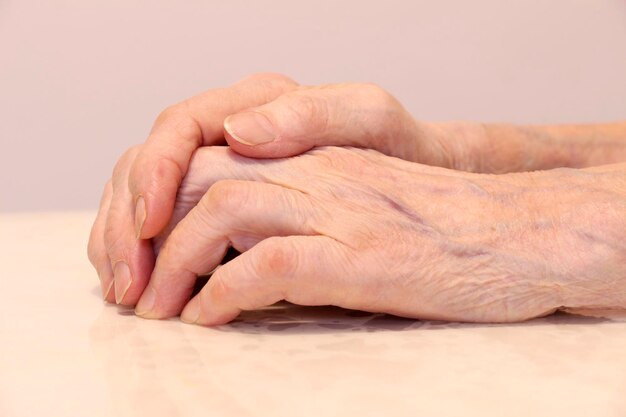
pixel 140 216
pixel 106 289
pixel 191 312
pixel 250 128
pixel 146 302
pixel 122 280
pixel 106 281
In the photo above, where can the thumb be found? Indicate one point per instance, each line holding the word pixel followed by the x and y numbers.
pixel 360 115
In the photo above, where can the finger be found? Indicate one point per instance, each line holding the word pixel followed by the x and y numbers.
pixel 361 115
pixel 131 259
pixel 306 270
pixel 96 249
pixel 177 133
pixel 237 213
pixel 209 165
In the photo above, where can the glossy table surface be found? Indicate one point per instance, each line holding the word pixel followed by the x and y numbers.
pixel 65 353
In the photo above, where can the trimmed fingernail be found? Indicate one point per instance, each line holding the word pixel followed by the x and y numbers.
pixel 122 280
pixel 106 280
pixel 191 313
pixel 106 289
pixel 146 302
pixel 250 128
pixel 140 216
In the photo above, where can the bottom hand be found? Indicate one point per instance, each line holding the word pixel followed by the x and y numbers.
pixel 358 229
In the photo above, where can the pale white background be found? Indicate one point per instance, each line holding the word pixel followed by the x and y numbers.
pixel 81 81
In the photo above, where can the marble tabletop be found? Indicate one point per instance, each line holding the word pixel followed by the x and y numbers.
pixel 63 352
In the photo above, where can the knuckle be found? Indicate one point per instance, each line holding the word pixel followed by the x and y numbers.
pixel 384 107
pixel 376 93
pixel 269 78
pixel 125 160
pixel 168 113
pixel 154 174
pixel 167 172
pixel 385 113
pixel 241 290
pixel 332 158
pixel 276 259
pixel 108 187
pixel 305 106
pixel 179 121
pixel 214 156
pixel 225 196
pixel 93 253
pixel 222 288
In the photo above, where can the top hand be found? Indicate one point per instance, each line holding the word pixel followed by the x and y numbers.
pixel 139 200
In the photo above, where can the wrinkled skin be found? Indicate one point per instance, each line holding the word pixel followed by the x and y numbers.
pixel 362 230
pixel 156 184
pixel 139 200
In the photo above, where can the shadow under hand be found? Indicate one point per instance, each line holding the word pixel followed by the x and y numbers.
pixel 287 318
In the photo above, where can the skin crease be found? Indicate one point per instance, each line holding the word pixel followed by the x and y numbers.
pixel 303 117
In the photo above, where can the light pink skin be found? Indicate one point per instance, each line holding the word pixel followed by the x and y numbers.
pixel 357 228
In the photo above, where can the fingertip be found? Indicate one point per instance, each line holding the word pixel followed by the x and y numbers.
pixel 108 292
pixel 166 294
pixel 123 280
pixel 146 303
pixel 191 312
pixel 215 312
pixel 107 285
pixel 131 274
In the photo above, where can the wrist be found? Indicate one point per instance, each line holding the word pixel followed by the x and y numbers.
pixel 487 148
pixel 585 212
pixel 530 148
pixel 457 145
pixel 503 148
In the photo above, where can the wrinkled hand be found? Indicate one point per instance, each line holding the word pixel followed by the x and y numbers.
pixel 357 229
pixel 146 179
pixel 289 119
